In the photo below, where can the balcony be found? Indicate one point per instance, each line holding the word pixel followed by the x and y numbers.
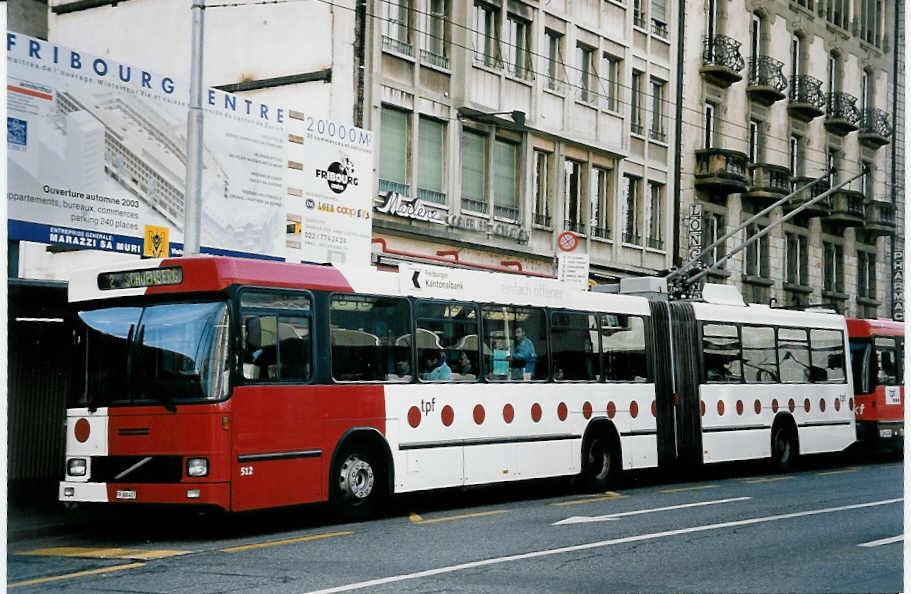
pixel 766 83
pixel 391 44
pixel 721 61
pixel 574 226
pixel 842 115
pixel 768 183
pixel 721 171
pixel 880 217
pixel 847 209
pixel 386 186
pixel 875 128
pixel 818 209
pixel 474 205
pixel 807 100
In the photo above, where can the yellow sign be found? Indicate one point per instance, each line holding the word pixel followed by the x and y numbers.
pixel 156 243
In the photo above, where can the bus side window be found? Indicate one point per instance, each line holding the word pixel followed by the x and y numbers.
pixel 623 348
pixel 259 346
pixel 827 356
pixel 721 353
pixel 887 368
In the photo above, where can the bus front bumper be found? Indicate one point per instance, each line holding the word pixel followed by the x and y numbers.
pixel 218 494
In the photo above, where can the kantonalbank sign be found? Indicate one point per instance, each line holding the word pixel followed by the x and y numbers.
pixel 69 62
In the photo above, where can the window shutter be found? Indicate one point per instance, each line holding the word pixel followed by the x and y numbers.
pixel 430 143
pixel 393 153
pixel 659 12
pixel 473 180
pixel 504 177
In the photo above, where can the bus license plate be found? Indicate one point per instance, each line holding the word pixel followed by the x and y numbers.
pixel 126 494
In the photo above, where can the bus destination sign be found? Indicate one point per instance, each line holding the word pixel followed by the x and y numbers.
pixel 132 279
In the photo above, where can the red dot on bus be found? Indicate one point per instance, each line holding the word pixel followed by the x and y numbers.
pixel 587 410
pixel 447 415
pixel 837 404
pixel 720 408
pixel 611 410
pixel 757 406
pixel 702 407
pixel 414 416
pixel 535 412
pixel 508 413
pixel 822 404
pixel 654 408
pixel 774 405
pixel 82 430
pixel 791 405
pixel 739 407
pixel 806 404
pixel 478 414
pixel 633 409
pixel 561 411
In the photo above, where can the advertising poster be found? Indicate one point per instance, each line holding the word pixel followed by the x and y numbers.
pixel 97 158
pixel 330 186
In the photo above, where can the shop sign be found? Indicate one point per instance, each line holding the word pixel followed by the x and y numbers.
pixel 898 286
pixel 409 208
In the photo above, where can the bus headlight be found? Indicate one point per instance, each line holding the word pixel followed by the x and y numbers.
pixel 76 467
pixel 197 466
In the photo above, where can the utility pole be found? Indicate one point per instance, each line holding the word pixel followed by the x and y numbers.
pixel 192 202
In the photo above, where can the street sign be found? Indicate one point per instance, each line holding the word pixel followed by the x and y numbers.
pixel 567 241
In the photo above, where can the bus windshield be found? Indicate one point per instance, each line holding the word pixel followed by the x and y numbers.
pixel 170 353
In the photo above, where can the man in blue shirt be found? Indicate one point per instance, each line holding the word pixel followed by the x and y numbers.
pixel 523 356
pixel 439 370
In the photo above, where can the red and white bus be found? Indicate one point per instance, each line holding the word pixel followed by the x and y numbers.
pixel 248 384
pixel 878 364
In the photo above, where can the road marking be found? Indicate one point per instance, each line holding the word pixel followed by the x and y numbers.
pixel 67 576
pixel 416 519
pixel 608 517
pixel 769 479
pixel 109 553
pixel 608 495
pixel 883 541
pixel 275 543
pixel 682 489
pixel 846 470
pixel 592 545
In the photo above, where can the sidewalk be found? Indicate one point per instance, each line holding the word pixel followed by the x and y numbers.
pixel 31 516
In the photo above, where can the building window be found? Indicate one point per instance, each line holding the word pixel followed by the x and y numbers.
pixel 518 34
pixel 602 203
pixel 870 17
pixel 834 73
pixel 434 42
pixel 866 181
pixel 866 283
pixel 612 72
pixel 833 268
pixel 713 230
pixel 797 259
pixel 554 59
pixel 587 75
pixel 832 162
pixel 659 18
pixel 394 135
pixel 658 131
pixel 635 103
pixel 795 59
pixel 755 128
pixel 756 260
pixel 396 26
pixel 794 160
pixel 572 208
pixel 808 4
pixel 505 188
pixel 631 227
pixel 837 13
pixel 487 35
pixel 708 140
pixel 638 14
pixel 430 160
pixel 474 171
pixel 655 215
pixel 543 163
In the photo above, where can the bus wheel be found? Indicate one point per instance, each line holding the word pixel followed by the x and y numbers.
pixel 358 484
pixel 600 464
pixel 784 448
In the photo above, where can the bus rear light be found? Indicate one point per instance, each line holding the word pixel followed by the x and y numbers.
pixel 197 466
pixel 192 493
pixel 226 423
pixel 69 491
pixel 76 467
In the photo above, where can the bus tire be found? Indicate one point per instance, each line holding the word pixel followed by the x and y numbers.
pixel 358 482
pixel 600 463
pixel 785 449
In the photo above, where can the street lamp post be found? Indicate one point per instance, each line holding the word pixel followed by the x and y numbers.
pixel 193 190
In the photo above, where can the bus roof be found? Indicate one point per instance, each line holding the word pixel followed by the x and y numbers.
pixel 865 328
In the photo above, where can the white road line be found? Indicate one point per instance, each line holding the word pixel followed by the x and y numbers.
pixel 608 517
pixel 592 545
pixel 883 541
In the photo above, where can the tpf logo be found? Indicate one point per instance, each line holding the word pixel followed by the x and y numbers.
pixel 338 175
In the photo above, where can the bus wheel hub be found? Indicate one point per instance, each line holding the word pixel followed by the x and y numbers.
pixel 356 478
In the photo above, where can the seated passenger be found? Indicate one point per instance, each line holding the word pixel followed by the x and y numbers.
pixel 464 369
pixel 437 369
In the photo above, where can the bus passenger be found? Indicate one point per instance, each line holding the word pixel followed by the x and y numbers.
pixel 523 355
pixel 464 370
pixel 438 370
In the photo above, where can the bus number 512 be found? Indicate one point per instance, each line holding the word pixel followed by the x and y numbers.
pixel 246 471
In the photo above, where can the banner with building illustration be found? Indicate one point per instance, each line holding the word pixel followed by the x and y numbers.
pixel 97 159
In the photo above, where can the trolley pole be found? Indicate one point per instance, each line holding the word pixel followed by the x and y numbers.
pixel 193 191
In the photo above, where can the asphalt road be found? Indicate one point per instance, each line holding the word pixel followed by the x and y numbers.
pixel 833 526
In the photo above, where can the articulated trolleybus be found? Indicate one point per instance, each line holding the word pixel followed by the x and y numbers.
pixel 877 358
pixel 246 384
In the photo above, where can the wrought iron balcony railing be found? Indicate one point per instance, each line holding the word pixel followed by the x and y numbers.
pixel 766 71
pixel 432 196
pixel 633 238
pixel 722 51
pixel 659 29
pixel 506 212
pixel 806 89
pixel 601 232
pixel 474 205
pixel 880 217
pixel 875 121
pixel 428 57
pixel 542 220
pixel 574 226
pixel 655 244
pixel 842 106
pixel 390 186
pixel 398 46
